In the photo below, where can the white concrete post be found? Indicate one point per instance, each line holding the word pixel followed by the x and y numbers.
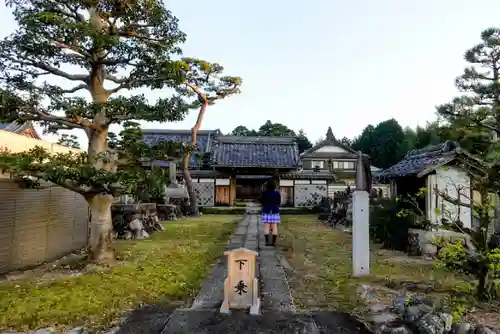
pixel 360 223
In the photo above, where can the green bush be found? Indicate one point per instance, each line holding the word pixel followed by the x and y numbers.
pixel 241 211
pixel 223 211
pixel 388 226
pixel 483 266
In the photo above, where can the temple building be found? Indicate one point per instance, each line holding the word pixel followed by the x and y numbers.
pixel 227 169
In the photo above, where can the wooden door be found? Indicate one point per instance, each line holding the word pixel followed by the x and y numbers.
pixel 222 195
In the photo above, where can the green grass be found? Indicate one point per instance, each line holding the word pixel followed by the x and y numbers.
pixel 167 268
pixel 321 259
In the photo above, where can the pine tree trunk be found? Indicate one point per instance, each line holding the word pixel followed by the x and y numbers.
pixel 185 165
pixel 190 189
pixel 101 226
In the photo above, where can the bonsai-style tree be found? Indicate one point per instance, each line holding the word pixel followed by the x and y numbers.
pixel 205 83
pixel 476 116
pixel 102 48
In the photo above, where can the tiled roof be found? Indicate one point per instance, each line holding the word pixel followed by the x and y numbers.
pixel 18 127
pixel 15 126
pixel 204 140
pixel 265 152
pixel 416 161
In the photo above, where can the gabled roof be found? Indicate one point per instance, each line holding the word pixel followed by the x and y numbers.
pixel 25 128
pixel 421 162
pixel 311 153
pixel 264 152
pixel 204 140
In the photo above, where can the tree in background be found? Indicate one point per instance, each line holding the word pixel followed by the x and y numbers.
pixel 69 141
pixel 270 129
pixel 346 141
pixel 431 134
pixel 203 81
pixel 384 143
pixel 474 119
pixel 303 142
pixel 89 46
pixel 243 131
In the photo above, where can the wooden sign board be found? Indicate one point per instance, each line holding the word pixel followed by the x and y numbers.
pixel 241 287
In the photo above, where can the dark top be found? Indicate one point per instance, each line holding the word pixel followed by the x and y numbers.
pixel 271 201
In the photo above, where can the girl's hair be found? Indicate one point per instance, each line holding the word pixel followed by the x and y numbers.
pixel 270 185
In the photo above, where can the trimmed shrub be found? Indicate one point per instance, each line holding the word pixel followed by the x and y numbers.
pixel 388 226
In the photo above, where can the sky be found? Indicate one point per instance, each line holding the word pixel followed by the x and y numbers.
pixel 320 63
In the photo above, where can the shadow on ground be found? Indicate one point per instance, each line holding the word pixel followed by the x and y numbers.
pixel 150 319
pixel 212 322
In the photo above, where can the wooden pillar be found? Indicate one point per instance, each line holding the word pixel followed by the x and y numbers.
pixel 232 190
pixel 276 178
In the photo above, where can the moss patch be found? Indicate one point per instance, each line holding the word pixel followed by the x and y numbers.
pixel 167 268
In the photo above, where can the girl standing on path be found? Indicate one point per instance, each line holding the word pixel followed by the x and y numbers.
pixel 271 200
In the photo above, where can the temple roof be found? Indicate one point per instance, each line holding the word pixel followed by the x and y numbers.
pixel 264 152
pixel 23 128
pixel 204 140
pixel 420 162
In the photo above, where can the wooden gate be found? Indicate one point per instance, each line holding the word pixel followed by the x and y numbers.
pixel 286 196
pixel 222 195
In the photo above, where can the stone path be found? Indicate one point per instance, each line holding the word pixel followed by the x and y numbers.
pixel 277 308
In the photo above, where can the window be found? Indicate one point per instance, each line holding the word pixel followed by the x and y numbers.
pixel 316 164
pixel 343 164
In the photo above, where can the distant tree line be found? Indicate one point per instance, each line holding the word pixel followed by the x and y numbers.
pixel 386 142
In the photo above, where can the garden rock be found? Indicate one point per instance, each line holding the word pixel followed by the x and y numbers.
pixel 464 328
pixel 49 330
pixel 383 318
pixel 448 321
pixel 395 327
pixel 78 330
pixel 484 330
pixel 135 225
pixel 399 303
pixel 415 312
pixel 431 324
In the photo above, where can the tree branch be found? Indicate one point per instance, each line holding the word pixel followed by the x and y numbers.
pixel 76 88
pixel 70 185
pixel 48 68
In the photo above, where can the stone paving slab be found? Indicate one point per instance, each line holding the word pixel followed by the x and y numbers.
pixel 274 285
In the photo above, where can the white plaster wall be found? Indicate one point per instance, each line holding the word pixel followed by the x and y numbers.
pixel 309 195
pixel 449 180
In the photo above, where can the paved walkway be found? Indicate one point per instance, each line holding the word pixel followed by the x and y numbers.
pixel 278 312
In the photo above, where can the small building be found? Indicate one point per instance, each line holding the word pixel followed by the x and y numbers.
pixel 26 129
pixel 439 170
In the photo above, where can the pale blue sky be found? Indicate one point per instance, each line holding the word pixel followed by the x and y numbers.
pixel 321 63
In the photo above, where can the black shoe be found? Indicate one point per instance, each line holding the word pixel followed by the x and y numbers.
pixel 267 239
pixel 274 240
